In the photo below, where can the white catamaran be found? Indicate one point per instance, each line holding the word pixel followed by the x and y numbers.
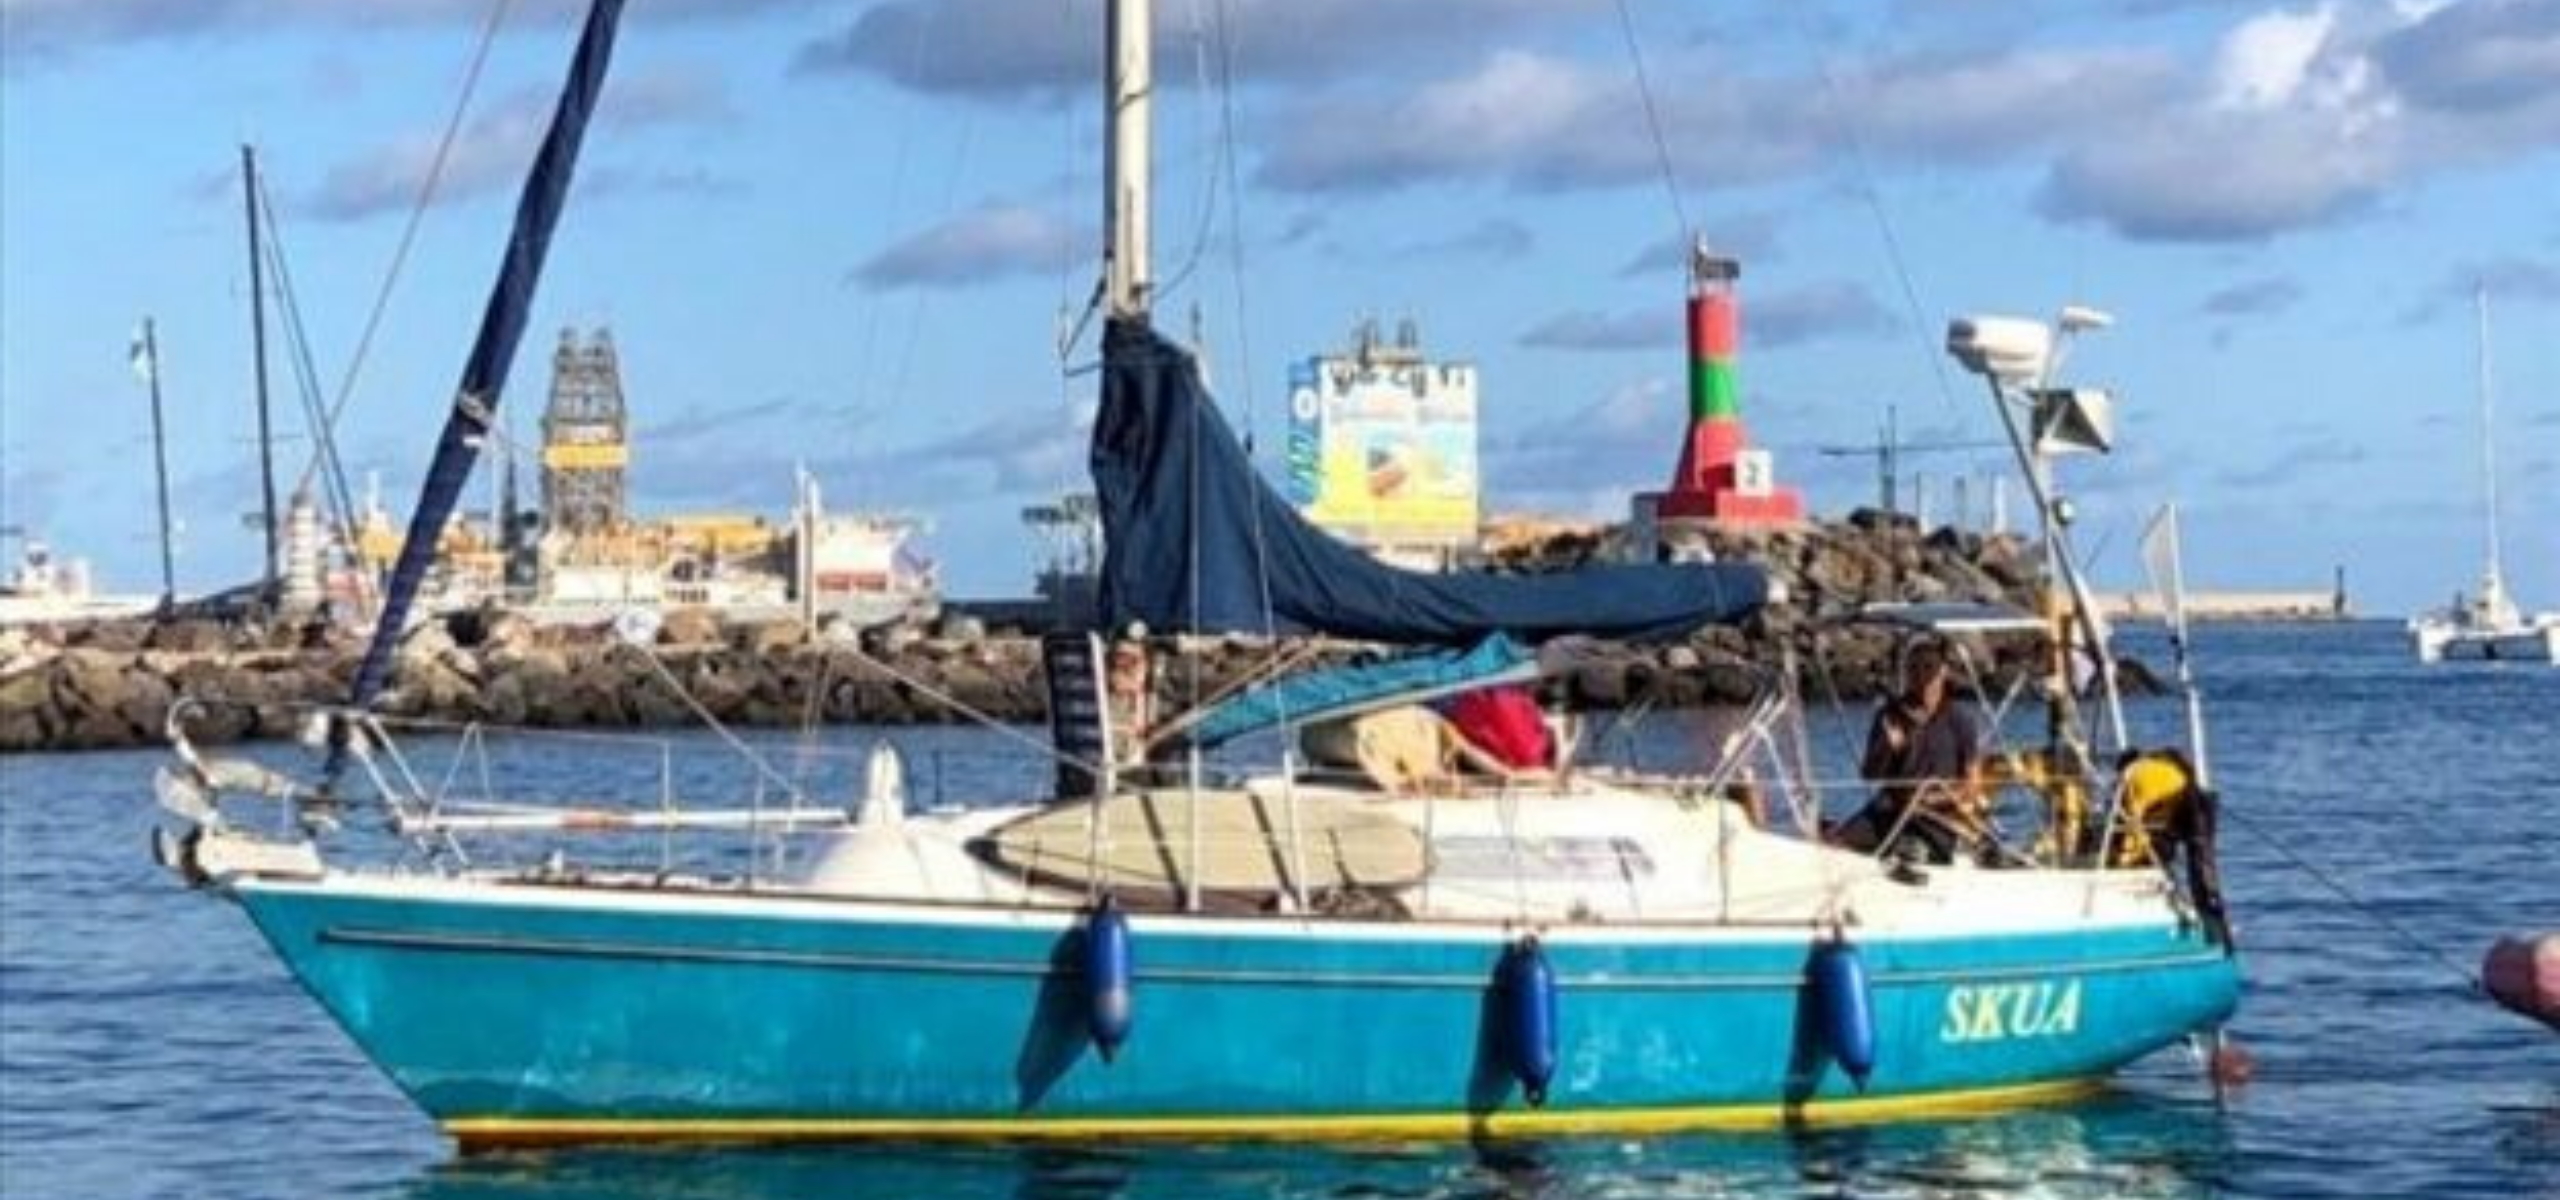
pixel 1175 946
pixel 2489 625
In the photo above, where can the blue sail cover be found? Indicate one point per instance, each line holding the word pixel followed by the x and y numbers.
pixel 1343 691
pixel 1196 541
pixel 502 322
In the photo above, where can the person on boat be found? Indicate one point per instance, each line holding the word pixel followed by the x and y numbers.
pixel 1129 689
pixel 1924 754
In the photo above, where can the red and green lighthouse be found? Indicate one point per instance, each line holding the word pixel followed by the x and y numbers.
pixel 1721 478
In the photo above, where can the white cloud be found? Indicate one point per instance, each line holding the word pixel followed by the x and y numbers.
pixel 2207 175
pixel 1042 49
pixel 1545 121
pixel 2265 60
pixel 1582 329
pixel 2311 116
pixel 46 30
pixel 492 151
pixel 993 241
pixel 1782 317
pixel 2477 56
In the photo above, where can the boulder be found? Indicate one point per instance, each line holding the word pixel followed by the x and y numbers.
pixel 769 638
pixel 689 627
pixel 191 635
pixel 1601 683
pixel 891 641
pixel 20 649
pixel 24 705
pixel 1876 520
pixel 503 701
pixel 86 688
pixel 115 637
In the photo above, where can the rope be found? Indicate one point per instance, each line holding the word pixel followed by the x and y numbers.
pixel 735 743
pixel 1653 119
pixel 1213 173
pixel 339 498
pixel 417 215
pixel 1235 218
pixel 916 308
pixel 891 216
pixel 947 700
pixel 1874 199
pixel 2471 981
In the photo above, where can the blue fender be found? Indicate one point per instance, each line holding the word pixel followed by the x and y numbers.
pixel 1525 1006
pixel 1107 977
pixel 1845 1008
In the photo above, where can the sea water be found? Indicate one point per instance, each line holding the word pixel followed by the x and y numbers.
pixel 2384 823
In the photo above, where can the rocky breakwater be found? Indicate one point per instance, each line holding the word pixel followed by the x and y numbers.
pixel 113 685
pixel 106 685
pixel 1827 574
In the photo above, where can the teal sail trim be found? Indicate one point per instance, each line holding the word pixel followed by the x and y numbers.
pixel 1346 691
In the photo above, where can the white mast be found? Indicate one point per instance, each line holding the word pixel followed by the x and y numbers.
pixel 2493 588
pixel 1129 92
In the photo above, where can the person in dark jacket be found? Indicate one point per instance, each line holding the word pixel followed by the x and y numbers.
pixel 1924 749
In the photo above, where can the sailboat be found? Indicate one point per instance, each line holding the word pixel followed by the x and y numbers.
pixel 1174 945
pixel 2489 625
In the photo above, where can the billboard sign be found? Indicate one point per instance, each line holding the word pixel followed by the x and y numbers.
pixel 1384 452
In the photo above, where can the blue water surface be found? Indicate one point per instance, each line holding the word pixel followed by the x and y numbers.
pixel 150 1046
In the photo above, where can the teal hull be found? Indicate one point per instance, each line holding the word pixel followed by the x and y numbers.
pixel 522 1013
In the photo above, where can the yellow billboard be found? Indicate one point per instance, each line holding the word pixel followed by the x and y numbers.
pixel 1385 451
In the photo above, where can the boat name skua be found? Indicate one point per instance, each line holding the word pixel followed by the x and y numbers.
pixel 1998 1012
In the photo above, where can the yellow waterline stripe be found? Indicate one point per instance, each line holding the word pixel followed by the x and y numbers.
pixel 486 1132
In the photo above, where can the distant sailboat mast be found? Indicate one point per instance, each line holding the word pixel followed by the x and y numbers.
pixel 2493 586
pixel 271 579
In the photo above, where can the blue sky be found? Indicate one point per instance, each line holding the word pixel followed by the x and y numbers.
pixel 843 233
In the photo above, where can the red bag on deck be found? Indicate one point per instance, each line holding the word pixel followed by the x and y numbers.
pixel 1504 722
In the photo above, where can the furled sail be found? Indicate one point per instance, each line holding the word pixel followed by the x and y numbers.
pixel 1196 541
pixel 502 322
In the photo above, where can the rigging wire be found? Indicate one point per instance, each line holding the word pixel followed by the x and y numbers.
pixel 916 308
pixel 920 686
pixel 306 375
pixel 1653 121
pixel 1212 172
pixel 1235 216
pixel 1071 172
pixel 2471 981
pixel 417 214
pixel 1834 96
pixel 763 768
pixel 898 163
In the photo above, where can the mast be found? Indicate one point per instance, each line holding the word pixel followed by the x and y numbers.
pixel 160 461
pixel 484 374
pixel 2493 586
pixel 258 356
pixel 1128 173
